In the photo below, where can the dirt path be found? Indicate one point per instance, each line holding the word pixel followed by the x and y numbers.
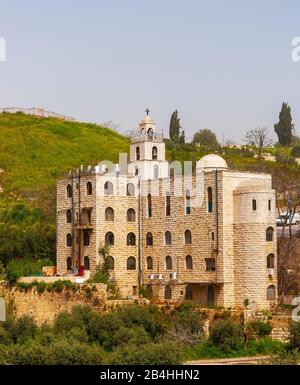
pixel 232 361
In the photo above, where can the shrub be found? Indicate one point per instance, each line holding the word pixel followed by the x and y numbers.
pixel 4 356
pixel 165 353
pixel 294 329
pixel 150 318
pixel 284 158
pixel 65 321
pixel 296 151
pixel 71 352
pixel 186 325
pixel 22 329
pixel 4 337
pixel 226 335
pixel 259 328
pixel 30 353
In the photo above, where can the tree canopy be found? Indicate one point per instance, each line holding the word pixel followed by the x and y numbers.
pixel 284 128
pixel 205 137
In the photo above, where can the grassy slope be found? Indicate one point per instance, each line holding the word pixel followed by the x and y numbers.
pixel 35 151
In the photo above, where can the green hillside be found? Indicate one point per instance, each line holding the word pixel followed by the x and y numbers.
pixel 35 151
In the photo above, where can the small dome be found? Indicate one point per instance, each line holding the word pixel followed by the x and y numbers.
pixel 213 162
pixel 147 120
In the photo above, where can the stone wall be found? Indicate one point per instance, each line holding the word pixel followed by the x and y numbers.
pixel 46 306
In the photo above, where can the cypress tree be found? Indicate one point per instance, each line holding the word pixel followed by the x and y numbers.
pixel 175 126
pixel 284 128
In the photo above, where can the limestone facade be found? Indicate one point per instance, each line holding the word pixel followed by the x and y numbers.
pixel 208 236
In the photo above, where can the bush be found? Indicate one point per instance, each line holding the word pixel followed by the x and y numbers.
pixel 71 352
pixel 226 335
pixel 165 353
pixel 65 322
pixel 296 151
pixel 150 318
pixel 294 329
pixel 22 329
pixel 284 158
pixel 259 329
pixel 186 325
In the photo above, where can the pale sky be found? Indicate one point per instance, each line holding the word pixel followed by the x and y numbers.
pixel 225 65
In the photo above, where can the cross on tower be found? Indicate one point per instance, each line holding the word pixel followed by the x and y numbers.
pixel 147 111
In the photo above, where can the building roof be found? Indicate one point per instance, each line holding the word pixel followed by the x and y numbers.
pixel 147 120
pixel 213 162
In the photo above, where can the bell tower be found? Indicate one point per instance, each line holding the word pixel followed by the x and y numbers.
pixel 147 152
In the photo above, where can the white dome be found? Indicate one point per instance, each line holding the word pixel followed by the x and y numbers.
pixel 147 120
pixel 213 162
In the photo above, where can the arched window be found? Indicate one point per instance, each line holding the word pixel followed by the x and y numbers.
pixel 155 172
pixel 86 263
pixel 86 238
pixel 110 263
pixel 69 216
pixel 69 263
pixel 169 264
pixel 189 263
pixel 69 191
pixel 149 263
pixel 131 215
pixel 69 240
pixel 189 293
pixel 187 202
pixel 136 171
pixel 270 205
pixel 109 214
pixel 149 291
pixel 89 188
pixel 168 204
pixel 131 263
pixel 168 292
pixel 138 153
pixel 131 239
pixel 209 200
pixel 271 261
pixel 149 202
pixel 254 204
pixel 188 237
pixel 271 293
pixel 212 236
pixel 154 153
pixel 150 134
pixel 108 188
pixel 168 238
pixel 270 234
pixel 109 239
pixel 149 239
pixel 130 190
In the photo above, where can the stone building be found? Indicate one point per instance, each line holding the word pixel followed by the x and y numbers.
pixel 205 234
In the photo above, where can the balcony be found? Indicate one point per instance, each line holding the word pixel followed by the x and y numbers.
pixel 84 226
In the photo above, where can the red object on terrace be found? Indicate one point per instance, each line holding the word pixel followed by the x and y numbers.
pixel 81 271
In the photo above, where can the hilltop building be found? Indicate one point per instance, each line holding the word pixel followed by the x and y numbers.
pixel 209 237
pixel 36 112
